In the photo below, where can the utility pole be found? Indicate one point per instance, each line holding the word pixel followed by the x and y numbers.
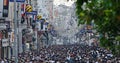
pixel 15 34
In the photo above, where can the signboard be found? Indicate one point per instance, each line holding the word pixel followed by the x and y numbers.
pixel 2 26
pixel 2 20
pixel 5 8
pixel 20 0
pixel 32 13
pixel 17 0
pixel 1 8
pixel 5 42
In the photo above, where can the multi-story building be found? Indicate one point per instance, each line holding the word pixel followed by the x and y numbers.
pixel 7 27
pixel 61 14
pixel 45 9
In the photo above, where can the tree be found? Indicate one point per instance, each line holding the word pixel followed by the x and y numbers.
pixel 106 16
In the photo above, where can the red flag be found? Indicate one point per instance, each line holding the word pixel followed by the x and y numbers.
pixel 22 9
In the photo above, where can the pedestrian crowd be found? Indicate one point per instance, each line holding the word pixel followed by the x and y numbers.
pixel 75 53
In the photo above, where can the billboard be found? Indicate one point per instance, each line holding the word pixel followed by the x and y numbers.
pixel 1 8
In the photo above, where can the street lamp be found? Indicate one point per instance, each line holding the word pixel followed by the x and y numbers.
pixel 15 34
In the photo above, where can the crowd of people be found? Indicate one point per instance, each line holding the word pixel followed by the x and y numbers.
pixel 75 53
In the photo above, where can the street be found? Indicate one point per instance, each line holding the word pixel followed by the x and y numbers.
pixel 59 31
pixel 74 53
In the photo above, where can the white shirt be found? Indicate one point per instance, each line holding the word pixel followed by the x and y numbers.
pixel 30 62
pixel 2 61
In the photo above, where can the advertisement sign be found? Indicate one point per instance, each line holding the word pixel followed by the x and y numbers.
pixel 2 26
pixel 17 0
pixel 5 8
pixel 23 9
pixel 5 42
pixel 32 13
pixel 20 0
pixel 1 8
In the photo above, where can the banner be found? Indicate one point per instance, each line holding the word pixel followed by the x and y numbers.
pixel 20 0
pixel 23 10
pixel 5 8
pixel 17 0
pixel 1 8
pixel 32 13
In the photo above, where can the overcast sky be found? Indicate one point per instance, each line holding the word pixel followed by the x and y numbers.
pixel 64 2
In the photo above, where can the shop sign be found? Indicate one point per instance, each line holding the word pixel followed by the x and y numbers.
pixel 2 26
pixel 17 0
pixel 5 43
pixel 20 0
pixel 32 13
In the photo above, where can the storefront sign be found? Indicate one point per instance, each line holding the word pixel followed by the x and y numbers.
pixel 2 26
pixel 32 13
pixel 2 20
pixel 20 0
pixel 17 0
pixel 5 42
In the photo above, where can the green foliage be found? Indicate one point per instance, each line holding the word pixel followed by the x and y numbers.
pixel 106 15
pixel 118 38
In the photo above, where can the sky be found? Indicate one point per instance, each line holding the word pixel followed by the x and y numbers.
pixel 64 2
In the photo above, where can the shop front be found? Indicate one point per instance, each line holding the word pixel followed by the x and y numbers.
pixel 5 48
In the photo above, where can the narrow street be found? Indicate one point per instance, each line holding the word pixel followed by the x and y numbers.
pixel 59 31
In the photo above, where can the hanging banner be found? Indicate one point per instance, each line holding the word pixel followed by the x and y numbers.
pixel 17 0
pixel 11 0
pixel 1 8
pixel 23 9
pixel 32 13
pixel 5 8
pixel 20 0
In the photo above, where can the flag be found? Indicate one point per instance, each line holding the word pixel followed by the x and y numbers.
pixel 22 9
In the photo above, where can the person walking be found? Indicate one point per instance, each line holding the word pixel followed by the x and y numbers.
pixel 2 61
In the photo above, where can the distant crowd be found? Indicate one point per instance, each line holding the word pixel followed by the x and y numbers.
pixel 75 53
